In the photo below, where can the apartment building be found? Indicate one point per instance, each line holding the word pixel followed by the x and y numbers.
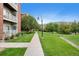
pixel 10 19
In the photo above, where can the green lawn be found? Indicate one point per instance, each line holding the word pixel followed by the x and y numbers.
pixel 13 52
pixel 73 38
pixel 23 38
pixel 54 46
pixel 17 51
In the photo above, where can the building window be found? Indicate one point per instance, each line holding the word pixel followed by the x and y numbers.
pixel 7 29
pixel 14 27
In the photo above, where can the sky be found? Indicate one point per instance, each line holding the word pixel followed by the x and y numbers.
pixel 52 12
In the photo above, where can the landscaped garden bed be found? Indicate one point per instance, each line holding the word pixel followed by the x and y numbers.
pixel 53 45
pixel 13 52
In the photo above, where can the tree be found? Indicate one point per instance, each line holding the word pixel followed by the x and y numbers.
pixel 74 27
pixel 29 23
pixel 78 27
pixel 51 27
pixel 65 28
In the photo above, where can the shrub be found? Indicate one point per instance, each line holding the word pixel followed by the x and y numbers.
pixel 12 37
pixel 7 38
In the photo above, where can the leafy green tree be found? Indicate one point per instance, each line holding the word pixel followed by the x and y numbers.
pixel 29 23
pixel 78 27
pixel 51 27
pixel 65 28
pixel 74 27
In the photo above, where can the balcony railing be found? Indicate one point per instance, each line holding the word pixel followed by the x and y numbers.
pixel 12 17
pixel 9 16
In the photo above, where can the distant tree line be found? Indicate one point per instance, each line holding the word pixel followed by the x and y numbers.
pixel 29 24
pixel 62 27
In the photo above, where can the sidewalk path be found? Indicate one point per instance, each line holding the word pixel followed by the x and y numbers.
pixel 71 43
pixel 35 48
pixel 13 45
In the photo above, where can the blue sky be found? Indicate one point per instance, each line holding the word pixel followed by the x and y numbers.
pixel 52 12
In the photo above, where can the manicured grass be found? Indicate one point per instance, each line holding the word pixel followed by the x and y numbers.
pixel 17 51
pixel 13 52
pixel 23 38
pixel 73 38
pixel 54 46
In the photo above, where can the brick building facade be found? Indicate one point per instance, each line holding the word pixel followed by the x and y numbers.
pixel 10 19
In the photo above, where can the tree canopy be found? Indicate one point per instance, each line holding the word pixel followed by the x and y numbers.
pixel 29 23
pixel 63 27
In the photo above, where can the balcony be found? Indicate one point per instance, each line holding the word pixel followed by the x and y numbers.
pixel 12 6
pixel 10 19
pixel 9 16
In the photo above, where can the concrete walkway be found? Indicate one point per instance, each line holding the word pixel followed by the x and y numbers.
pixel 71 43
pixel 13 45
pixel 35 48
